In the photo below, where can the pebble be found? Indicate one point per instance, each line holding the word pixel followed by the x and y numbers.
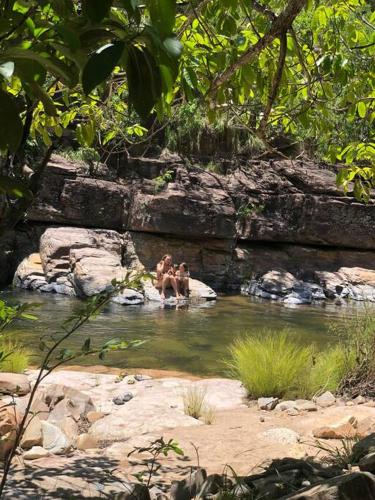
pixel 267 403
pixel 122 399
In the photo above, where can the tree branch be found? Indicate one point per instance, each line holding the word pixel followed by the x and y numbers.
pixel 280 25
pixel 274 88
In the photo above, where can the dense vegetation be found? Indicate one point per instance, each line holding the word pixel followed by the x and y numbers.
pixel 276 365
pixel 119 77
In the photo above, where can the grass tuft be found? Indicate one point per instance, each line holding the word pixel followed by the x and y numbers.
pixel 193 399
pixel 271 364
pixel 15 358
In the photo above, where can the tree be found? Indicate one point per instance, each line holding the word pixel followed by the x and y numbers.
pixel 55 57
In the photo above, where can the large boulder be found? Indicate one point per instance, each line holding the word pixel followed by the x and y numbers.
pixel 355 486
pixel 93 269
pixel 14 383
pixel 9 421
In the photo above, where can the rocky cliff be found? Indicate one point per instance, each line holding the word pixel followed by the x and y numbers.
pixel 261 216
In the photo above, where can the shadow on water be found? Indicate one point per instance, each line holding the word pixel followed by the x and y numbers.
pixel 192 338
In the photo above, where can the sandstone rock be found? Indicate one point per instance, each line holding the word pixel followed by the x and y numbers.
pixel 360 400
pixel 122 398
pixel 86 442
pixel 76 404
pixel 30 274
pixel 325 400
pixel 355 486
pixel 345 429
pixel 305 405
pixel 33 434
pixel 191 212
pixel 54 440
pixel 36 452
pixel 267 403
pixel 367 463
pixel 94 269
pixel 364 447
pixel 14 383
pixel 286 405
pixel 366 426
pixel 93 416
pixel 281 435
pixel 9 421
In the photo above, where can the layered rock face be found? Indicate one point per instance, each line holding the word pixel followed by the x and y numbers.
pixel 285 216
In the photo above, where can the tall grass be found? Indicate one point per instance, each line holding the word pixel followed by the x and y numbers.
pixel 271 364
pixel 15 357
pixel 329 369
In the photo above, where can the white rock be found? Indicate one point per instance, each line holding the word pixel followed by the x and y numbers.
pixel 325 400
pixel 35 453
pixel 286 405
pixel 267 403
pixel 281 435
pixel 54 440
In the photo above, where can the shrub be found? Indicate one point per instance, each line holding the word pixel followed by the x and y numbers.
pixel 193 399
pixel 271 365
pixel 329 369
pixel 357 336
pixel 15 357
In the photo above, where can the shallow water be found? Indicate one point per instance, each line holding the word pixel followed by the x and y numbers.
pixel 194 339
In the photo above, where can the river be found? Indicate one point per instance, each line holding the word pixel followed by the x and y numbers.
pixel 194 339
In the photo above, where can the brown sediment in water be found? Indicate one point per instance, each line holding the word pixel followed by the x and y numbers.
pixel 112 370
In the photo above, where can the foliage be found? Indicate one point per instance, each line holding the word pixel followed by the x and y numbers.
pixel 9 314
pixel 55 354
pixel 163 179
pixel 329 369
pixel 357 336
pixel 60 60
pixel 208 415
pixel 14 357
pixel 249 209
pixel 155 449
pixel 338 455
pixel 271 364
pixel 311 78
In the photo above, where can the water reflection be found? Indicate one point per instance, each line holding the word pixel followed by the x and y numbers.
pixel 190 337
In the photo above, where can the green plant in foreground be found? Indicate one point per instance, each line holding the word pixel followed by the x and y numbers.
pixel 15 357
pixel 338 455
pixel 271 364
pixel 329 369
pixel 155 449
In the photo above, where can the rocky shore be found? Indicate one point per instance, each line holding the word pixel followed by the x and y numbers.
pixel 84 425
pixel 286 218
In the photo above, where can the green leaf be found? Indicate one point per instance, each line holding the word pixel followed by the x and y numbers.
pixel 362 110
pixel 96 10
pixel 11 126
pixel 100 65
pixel 14 187
pixel 7 69
pixel 55 66
pixel 144 80
pixel 41 94
pixel 162 13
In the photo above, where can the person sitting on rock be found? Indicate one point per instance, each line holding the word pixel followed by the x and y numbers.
pixel 165 277
pixel 182 276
